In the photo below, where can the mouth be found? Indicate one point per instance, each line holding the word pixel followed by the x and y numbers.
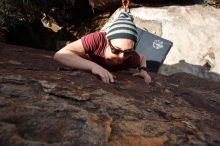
pixel 114 61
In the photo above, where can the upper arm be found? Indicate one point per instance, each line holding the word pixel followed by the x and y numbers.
pixel 75 47
pixel 84 46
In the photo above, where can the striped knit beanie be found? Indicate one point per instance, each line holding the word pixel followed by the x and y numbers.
pixel 122 27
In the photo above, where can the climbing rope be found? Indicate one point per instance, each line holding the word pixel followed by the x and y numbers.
pixel 125 4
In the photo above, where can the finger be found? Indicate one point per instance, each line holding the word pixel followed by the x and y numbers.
pixel 105 80
pixel 147 79
pixel 136 74
pixel 107 77
pixel 103 77
pixel 111 77
pixel 150 80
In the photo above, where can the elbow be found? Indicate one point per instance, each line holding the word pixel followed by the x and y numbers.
pixel 57 56
pixel 60 55
pixel 63 55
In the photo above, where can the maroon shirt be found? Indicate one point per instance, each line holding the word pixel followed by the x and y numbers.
pixel 95 45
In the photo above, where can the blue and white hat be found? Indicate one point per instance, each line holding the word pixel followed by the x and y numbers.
pixel 123 27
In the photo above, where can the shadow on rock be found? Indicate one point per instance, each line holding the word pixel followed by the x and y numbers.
pixel 197 70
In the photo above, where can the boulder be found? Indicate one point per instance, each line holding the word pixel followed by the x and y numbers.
pixel 109 5
pixel 105 5
pixel 45 103
pixel 22 20
pixel 2 35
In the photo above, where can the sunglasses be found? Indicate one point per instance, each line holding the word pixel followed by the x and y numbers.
pixel 127 52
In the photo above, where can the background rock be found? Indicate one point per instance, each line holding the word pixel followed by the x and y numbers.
pixel 106 5
pixel 193 31
pixel 21 19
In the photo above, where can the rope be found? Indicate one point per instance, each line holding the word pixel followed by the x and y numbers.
pixel 125 4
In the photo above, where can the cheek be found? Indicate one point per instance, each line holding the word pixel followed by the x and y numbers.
pixel 114 55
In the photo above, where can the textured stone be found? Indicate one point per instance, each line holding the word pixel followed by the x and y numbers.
pixel 41 105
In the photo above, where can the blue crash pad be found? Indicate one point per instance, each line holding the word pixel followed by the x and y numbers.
pixel 155 48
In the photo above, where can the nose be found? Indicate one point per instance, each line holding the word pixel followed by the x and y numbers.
pixel 121 55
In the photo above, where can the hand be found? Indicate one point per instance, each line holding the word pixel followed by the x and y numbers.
pixel 105 75
pixel 144 75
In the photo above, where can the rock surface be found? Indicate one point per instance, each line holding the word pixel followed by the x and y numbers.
pixel 193 31
pixel 105 5
pixel 43 103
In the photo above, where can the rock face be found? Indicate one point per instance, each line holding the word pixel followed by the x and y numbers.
pixel 22 20
pixel 2 36
pixel 110 4
pixel 43 103
pixel 193 31
pixel 105 4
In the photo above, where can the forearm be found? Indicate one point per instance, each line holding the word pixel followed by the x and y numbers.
pixel 73 60
pixel 143 72
pixel 143 62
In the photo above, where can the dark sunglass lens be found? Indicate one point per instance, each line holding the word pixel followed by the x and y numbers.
pixel 117 51
pixel 114 51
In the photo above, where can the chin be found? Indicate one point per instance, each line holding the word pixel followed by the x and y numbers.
pixel 114 62
pixel 119 61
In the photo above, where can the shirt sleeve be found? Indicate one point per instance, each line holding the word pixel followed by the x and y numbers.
pixel 90 42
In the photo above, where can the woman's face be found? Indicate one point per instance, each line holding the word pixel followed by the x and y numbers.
pixel 119 50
